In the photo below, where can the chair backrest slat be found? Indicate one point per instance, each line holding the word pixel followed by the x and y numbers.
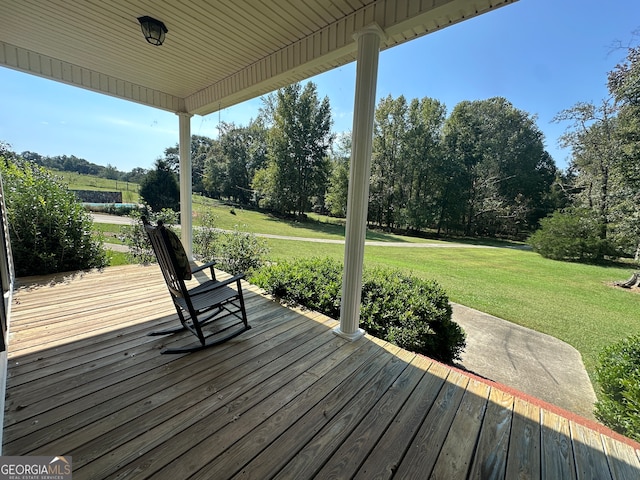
pixel 166 258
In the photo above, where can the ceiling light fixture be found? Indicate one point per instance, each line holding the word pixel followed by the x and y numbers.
pixel 153 30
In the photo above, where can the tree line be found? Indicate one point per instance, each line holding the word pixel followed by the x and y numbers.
pixel 482 170
pixel 71 163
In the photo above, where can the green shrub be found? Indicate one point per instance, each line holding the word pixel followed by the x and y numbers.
pixel 314 283
pixel 412 313
pixel 206 238
pixel 49 229
pixel 235 252
pixel 135 237
pixel 619 377
pixel 241 252
pixel 572 234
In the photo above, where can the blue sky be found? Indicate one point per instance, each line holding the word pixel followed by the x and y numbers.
pixel 541 55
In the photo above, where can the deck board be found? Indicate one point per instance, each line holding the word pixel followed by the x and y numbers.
pixel 557 450
pixel 346 461
pixel 457 451
pixel 490 461
pixel 524 460
pixel 589 452
pixel 386 456
pixel 423 452
pixel 286 399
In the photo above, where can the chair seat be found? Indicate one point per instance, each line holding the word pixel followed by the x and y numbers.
pixel 204 298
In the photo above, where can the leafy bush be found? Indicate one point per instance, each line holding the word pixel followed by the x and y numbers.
pixel 235 252
pixel 49 229
pixel 314 283
pixel 241 252
pixel 135 237
pixel 572 234
pixel 206 238
pixel 412 313
pixel 619 376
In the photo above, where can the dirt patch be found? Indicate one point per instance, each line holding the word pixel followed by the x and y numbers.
pixel 633 289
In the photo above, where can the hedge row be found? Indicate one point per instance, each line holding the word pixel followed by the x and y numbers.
pixel 619 376
pixel 407 311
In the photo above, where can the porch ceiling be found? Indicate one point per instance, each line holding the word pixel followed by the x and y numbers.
pixel 217 52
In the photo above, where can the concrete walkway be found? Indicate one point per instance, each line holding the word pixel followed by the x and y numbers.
pixel 534 363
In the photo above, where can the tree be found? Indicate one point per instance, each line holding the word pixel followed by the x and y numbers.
pixel 159 188
pixel 387 197
pixel 603 179
pixel 338 189
pixel 135 175
pixel 624 85
pixel 110 172
pixel 459 171
pixel 501 170
pixel 595 153
pixel 49 229
pixel 215 171
pixel 426 174
pixel 201 149
pixel 298 142
pixel 244 151
pixel 407 148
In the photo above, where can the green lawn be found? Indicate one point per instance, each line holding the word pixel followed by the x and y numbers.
pixel 317 226
pixel 77 181
pixel 109 231
pixel 572 302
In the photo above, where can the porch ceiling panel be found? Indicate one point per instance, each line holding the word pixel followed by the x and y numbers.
pixel 217 53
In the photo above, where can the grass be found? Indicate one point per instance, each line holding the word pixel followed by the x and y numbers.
pixel 318 226
pixel 109 231
pixel 77 181
pixel 117 258
pixel 572 302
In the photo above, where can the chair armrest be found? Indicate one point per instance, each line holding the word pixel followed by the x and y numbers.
pixel 209 265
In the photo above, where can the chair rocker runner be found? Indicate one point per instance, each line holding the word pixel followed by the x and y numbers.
pixel 199 305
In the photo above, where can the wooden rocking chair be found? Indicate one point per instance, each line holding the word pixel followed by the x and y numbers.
pixel 199 305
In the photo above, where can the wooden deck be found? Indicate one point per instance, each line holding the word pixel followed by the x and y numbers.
pixel 287 399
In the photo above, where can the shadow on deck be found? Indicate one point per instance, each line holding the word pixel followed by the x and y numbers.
pixel 286 399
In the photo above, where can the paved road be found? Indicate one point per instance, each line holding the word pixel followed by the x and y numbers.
pixel 112 219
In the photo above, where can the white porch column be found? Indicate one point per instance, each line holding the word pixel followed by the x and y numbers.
pixel 360 171
pixel 186 206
